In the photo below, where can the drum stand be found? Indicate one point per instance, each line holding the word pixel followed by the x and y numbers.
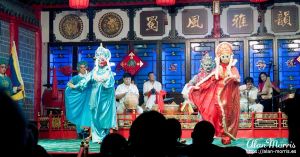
pixel 248 106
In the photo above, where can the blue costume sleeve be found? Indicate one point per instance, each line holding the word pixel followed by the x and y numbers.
pixel 110 82
pixel 77 104
pixel 84 83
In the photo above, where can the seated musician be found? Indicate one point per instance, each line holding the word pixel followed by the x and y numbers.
pixel 248 98
pixel 265 92
pixel 150 89
pixel 127 94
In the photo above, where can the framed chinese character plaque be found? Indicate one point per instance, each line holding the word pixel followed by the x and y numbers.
pixel 194 21
pixel 285 19
pixel 240 21
pixel 152 23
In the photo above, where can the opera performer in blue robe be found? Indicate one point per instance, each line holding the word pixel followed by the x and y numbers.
pixel 100 81
pixel 77 107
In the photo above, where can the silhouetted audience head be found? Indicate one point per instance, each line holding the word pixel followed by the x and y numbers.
pixel 203 136
pixel 203 133
pixel 114 145
pixel 235 151
pixel 33 148
pixel 174 146
pixel 147 135
pixel 292 110
pixel 173 129
pixel 13 132
pixel 33 132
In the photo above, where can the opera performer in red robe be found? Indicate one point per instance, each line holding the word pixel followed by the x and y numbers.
pixel 217 95
pixel 207 64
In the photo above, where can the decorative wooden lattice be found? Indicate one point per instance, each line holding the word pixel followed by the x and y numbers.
pixel 289 75
pixel 260 58
pixel 173 67
pixel 276 120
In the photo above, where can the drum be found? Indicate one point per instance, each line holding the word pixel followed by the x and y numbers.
pixel 155 107
pixel 171 109
pixel 53 104
pixel 131 101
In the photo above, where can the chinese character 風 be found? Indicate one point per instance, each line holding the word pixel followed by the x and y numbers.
pixel 194 22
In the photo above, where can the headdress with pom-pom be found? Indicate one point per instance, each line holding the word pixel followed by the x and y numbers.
pixel 102 52
pixel 224 48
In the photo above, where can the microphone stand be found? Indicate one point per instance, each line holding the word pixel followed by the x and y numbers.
pixel 247 100
pixel 272 100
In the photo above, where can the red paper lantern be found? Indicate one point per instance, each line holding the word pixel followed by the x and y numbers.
pixel 165 2
pixel 258 1
pixel 78 4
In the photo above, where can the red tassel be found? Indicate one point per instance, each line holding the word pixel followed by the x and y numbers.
pixel 160 100
pixel 54 85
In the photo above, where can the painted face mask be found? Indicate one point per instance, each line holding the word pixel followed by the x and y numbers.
pixel 207 63
pixel 225 58
pixel 103 56
pixel 102 62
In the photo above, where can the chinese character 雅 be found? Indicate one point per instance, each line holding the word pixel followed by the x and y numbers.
pixel 239 21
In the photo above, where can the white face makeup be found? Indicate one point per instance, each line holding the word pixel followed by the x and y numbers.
pixel 225 58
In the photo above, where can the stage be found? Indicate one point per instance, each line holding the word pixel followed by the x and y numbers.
pixel 256 130
pixel 251 125
pixel 72 146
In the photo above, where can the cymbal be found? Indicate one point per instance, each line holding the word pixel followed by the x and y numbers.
pixel 168 99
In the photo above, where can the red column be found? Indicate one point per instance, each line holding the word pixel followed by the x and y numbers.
pixel 38 70
pixel 13 30
pixel 216 29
